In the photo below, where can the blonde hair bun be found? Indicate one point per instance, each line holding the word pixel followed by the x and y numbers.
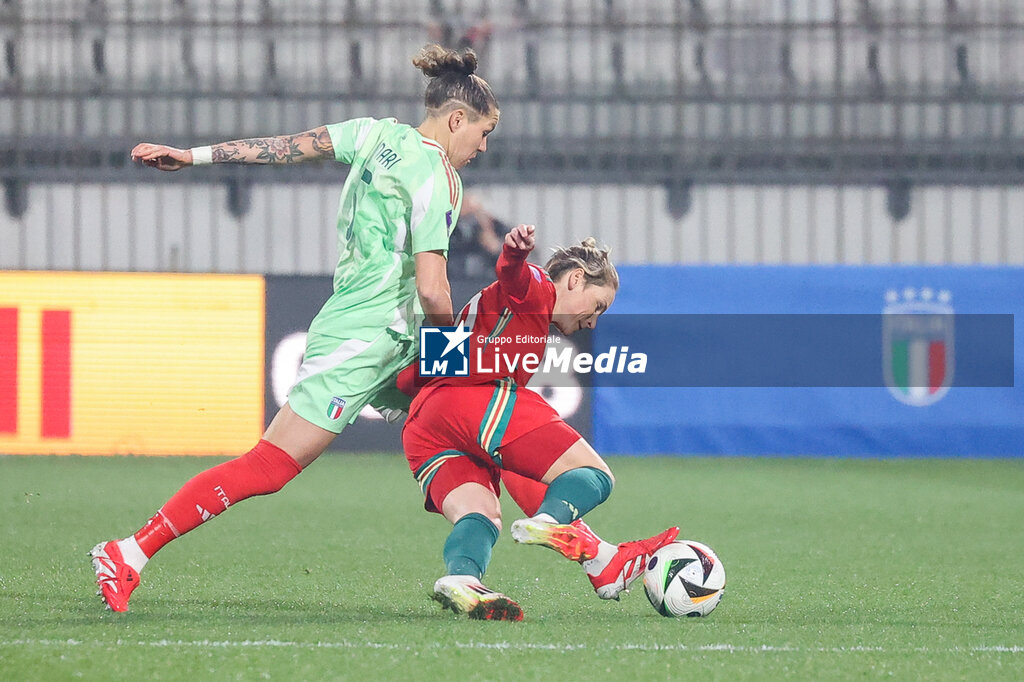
pixel 597 266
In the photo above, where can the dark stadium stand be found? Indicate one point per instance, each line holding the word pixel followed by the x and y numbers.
pixel 852 91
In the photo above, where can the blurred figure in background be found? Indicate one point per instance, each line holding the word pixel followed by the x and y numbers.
pixel 11 32
pixel 454 28
pixel 476 241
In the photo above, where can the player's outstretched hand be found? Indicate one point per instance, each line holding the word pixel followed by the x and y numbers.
pixel 161 156
pixel 521 237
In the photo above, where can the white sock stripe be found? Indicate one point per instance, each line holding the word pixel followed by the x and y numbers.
pixel 169 524
pixel 132 553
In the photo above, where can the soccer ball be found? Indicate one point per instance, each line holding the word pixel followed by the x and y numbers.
pixel 684 578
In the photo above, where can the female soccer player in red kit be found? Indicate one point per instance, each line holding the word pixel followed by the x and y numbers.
pixel 462 433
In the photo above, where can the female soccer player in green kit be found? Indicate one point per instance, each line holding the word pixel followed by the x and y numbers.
pixel 399 204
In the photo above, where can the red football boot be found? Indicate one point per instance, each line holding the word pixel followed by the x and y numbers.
pixel 115 578
pixel 626 565
pixel 572 540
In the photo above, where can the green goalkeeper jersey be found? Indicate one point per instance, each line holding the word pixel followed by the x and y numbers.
pixel 401 197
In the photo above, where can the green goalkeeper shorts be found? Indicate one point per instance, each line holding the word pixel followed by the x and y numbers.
pixel 339 377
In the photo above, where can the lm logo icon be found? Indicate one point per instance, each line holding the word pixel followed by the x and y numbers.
pixel 444 352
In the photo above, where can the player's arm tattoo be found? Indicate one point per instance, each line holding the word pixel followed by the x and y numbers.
pixel 310 145
pixel 321 142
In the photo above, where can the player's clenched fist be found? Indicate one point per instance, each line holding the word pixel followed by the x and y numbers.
pixel 161 156
pixel 521 237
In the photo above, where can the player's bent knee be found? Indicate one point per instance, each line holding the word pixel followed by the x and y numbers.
pixel 264 470
pixel 493 518
pixel 301 439
pixel 579 455
pixel 601 466
pixel 471 498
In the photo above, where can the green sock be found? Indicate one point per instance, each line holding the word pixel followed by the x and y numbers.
pixel 467 551
pixel 574 493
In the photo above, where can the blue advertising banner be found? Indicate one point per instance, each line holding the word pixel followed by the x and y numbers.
pixel 809 360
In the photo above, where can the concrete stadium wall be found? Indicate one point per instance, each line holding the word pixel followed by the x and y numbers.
pixel 289 229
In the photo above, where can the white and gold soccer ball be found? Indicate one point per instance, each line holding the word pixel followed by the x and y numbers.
pixel 684 578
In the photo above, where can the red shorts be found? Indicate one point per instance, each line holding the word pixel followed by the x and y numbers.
pixel 462 434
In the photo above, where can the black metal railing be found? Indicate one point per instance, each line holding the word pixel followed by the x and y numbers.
pixel 741 91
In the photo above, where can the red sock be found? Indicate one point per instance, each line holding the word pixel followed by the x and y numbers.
pixel 526 492
pixel 264 469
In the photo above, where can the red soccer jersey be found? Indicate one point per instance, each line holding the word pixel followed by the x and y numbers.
pixel 509 320
pixel 483 416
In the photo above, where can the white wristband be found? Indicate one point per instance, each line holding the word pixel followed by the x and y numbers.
pixel 202 156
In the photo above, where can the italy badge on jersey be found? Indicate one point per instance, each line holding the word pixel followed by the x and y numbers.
pixel 336 407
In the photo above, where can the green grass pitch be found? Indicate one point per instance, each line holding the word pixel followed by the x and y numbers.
pixel 837 569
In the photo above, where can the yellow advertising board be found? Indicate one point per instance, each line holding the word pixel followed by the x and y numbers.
pixel 126 363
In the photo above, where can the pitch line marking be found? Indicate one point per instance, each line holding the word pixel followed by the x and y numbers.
pixel 504 646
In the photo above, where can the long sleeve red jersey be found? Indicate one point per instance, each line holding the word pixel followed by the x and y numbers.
pixel 510 321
